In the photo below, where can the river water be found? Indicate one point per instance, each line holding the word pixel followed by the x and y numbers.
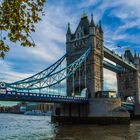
pixel 21 127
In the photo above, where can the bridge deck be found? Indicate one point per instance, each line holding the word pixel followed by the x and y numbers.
pixel 118 60
pixel 35 97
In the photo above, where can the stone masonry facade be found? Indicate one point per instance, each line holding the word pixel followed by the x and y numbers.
pixel 87 35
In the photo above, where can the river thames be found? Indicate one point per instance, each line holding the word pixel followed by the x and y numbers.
pixel 22 127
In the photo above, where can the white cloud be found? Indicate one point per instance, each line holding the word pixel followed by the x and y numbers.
pixel 50 40
pixel 88 3
pixel 9 75
pixel 50 35
pixel 110 81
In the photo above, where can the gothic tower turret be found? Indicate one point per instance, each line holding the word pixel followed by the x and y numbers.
pixel 68 35
pixel 68 38
pixel 87 35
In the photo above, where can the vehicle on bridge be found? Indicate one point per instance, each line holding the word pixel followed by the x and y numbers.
pixel 106 94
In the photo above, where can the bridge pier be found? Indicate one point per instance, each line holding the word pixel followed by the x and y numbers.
pixel 129 85
pixel 69 112
pixel 137 98
pixel 98 110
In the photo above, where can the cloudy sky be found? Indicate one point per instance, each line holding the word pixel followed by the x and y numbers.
pixel 121 25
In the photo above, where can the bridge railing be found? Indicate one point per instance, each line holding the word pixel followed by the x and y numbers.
pixel 25 96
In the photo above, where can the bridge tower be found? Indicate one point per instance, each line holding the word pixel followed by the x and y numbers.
pixel 90 75
pixel 129 81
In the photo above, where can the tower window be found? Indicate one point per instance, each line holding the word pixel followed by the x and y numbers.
pixel 85 32
pixel 81 34
pixel 77 35
pixel 75 44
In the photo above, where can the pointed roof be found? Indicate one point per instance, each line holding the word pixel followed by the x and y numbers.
pixel 128 55
pixel 135 54
pixel 69 30
pixel 84 24
pixel 92 21
pixel 100 26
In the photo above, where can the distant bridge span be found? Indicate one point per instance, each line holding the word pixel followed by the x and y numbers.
pixel 111 55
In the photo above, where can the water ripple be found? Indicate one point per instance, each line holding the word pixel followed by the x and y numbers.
pixel 21 127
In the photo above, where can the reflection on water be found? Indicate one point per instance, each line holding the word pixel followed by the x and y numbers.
pixel 21 127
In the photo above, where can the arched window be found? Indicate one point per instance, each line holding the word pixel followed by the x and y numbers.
pixel 85 31
pixel 76 43
pixel 77 35
pixel 81 34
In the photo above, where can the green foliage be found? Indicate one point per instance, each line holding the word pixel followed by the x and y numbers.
pixel 18 19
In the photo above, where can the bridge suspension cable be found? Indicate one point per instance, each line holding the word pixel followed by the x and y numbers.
pixel 39 76
pixel 52 78
pixel 36 79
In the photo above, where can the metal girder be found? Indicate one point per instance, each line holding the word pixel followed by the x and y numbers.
pixel 37 77
pixel 36 97
pixel 52 78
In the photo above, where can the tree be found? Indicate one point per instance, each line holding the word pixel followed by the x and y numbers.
pixel 17 22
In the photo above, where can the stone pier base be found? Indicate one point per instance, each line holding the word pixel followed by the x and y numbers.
pixel 136 113
pixel 91 120
pixel 98 110
pixel 137 110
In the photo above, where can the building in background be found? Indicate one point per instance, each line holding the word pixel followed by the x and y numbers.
pixel 22 107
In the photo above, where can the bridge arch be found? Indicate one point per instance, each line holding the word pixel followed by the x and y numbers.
pixel 82 89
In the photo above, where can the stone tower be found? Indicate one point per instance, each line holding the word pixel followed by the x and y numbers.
pixel 90 77
pixel 90 74
pixel 129 81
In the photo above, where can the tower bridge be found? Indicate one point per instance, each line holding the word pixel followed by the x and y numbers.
pixel 85 53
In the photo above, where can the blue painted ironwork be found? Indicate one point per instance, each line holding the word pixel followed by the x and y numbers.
pixel 30 81
pixel 128 106
pixel 36 97
pixel 49 78
pixel 52 78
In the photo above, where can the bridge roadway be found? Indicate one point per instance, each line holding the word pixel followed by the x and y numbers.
pixel 48 98
pixel 36 97
pixel 111 55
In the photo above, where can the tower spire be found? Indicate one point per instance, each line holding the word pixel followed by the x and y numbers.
pixel 135 54
pixel 69 30
pixel 100 26
pixel 92 21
